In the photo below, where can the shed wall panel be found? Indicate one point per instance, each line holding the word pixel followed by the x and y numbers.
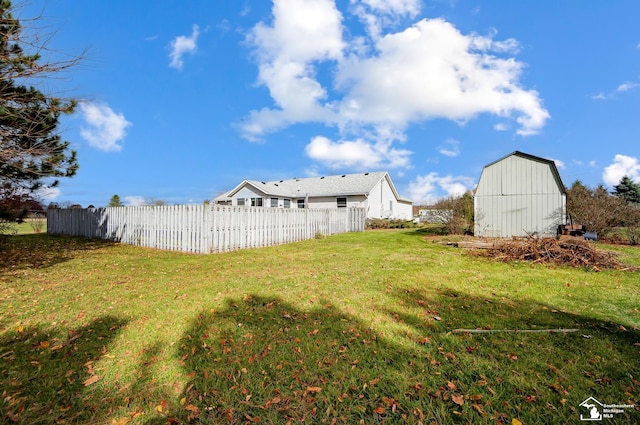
pixel 518 196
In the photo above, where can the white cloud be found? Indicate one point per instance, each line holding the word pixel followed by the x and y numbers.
pixel 47 194
pixel 626 86
pixel 450 148
pixel 394 7
pixel 303 32
pixel 559 164
pixel 622 166
pixel 383 83
pixel 501 127
pixel 356 154
pixel 134 201
pixel 378 14
pixel 431 71
pixel 182 45
pixel 427 190
pixel 104 128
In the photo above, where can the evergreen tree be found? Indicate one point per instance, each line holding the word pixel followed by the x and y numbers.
pixel 32 153
pixel 628 190
pixel 115 201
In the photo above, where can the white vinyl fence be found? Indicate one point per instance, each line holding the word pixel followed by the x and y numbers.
pixel 203 228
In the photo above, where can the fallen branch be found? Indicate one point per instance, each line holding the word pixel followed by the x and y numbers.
pixel 515 331
pixel 571 252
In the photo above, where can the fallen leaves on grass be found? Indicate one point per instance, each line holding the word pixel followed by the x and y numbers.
pixel 313 389
pixel 162 407
pixel 92 380
pixel 457 399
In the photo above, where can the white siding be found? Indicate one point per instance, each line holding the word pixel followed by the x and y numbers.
pixel 353 201
pixel 246 193
pixel 518 196
pixel 379 202
pixel 382 203
pixel 404 210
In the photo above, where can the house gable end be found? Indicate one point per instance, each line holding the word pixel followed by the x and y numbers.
pixel 246 184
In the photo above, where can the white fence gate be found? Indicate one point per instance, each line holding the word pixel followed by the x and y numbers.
pixel 203 228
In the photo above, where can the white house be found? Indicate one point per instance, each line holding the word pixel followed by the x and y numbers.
pixel 517 195
pixel 373 191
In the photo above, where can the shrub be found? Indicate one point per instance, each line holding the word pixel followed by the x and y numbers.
pixel 37 223
pixel 458 215
pixel 385 223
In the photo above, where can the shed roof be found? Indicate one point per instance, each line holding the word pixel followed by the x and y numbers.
pixel 549 162
pixel 338 185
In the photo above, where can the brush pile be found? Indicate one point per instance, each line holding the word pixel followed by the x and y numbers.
pixel 572 252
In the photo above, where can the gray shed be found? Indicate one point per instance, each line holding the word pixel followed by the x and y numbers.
pixel 517 195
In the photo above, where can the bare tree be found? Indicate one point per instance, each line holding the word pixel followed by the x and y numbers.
pixel 456 213
pixel 596 209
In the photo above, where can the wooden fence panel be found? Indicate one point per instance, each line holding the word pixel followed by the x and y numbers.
pixel 203 228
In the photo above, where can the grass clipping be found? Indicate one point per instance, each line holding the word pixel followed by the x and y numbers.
pixel 567 252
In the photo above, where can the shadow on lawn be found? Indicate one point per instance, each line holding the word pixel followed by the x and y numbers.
pixel 262 359
pixel 49 376
pixel 601 359
pixel 43 250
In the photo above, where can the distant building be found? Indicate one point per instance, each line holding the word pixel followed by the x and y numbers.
pixel 373 191
pixel 434 215
pixel 519 195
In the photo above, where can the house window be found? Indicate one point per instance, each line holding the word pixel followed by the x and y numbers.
pixel 241 202
pixel 342 202
pixel 274 202
pixel 390 205
pixel 256 202
pixel 287 203
pixel 300 203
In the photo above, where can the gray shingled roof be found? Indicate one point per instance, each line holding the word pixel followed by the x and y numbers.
pixel 345 184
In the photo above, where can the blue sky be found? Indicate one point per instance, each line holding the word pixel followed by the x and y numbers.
pixel 181 101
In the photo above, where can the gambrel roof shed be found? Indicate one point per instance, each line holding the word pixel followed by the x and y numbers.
pixel 519 195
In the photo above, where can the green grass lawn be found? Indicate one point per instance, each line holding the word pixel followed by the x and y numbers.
pixel 29 227
pixel 353 328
